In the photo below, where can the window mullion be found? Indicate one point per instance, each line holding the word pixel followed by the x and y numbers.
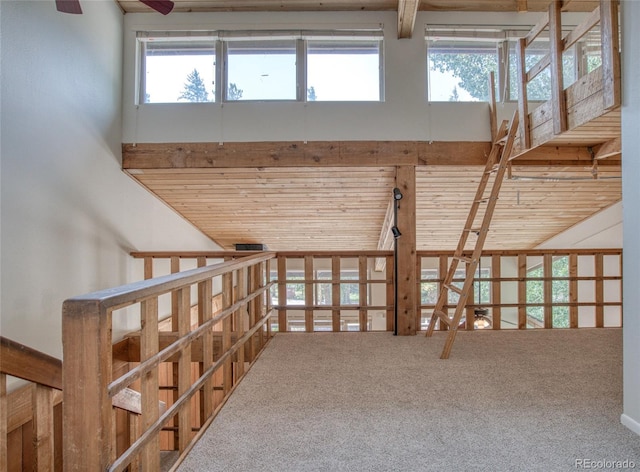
pixel 220 72
pixel 301 70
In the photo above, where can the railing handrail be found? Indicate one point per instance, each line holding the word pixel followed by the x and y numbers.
pixel 90 383
pixel 29 364
pixel 118 297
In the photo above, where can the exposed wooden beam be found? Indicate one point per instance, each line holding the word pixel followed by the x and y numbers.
pixel 406 260
pixel 299 154
pixel 138 157
pixel 559 103
pixel 610 37
pixel 407 10
pixel 609 149
pixel 522 6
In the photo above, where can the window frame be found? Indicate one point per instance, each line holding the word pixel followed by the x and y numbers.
pixel 221 63
pixel 504 37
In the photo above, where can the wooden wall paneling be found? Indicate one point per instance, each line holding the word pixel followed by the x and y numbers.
pixel 308 293
pixel 150 456
pixel 282 294
pixel 389 299
pixel 43 431
pixel 522 291
pixel 406 182
pixel 573 291
pixel 496 292
pixel 559 109
pixel 599 283
pixel 548 290
pixel 363 293
pixel 610 37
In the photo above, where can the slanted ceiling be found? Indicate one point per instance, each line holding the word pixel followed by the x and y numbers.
pixel 343 208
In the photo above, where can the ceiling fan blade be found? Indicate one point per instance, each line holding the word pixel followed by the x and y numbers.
pixel 69 6
pixel 161 6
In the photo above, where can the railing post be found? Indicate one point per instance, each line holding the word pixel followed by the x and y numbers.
pixel 523 105
pixel 43 427
pixel 282 294
pixel 3 422
pixel 558 100
pixel 308 293
pixel 86 342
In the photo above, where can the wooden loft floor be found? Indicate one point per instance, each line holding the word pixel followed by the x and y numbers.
pixel 316 196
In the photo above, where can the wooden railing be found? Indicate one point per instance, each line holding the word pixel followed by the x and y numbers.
pixel 90 439
pixel 533 289
pixel 30 426
pixel 342 291
pixel 608 75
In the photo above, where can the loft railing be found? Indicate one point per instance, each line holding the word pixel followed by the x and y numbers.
pixel 35 406
pixel 343 291
pixel 607 76
pixel 31 425
pixel 90 439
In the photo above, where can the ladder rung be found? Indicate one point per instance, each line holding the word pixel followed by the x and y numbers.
pixel 473 230
pixel 486 199
pixel 502 140
pixel 495 168
pixel 468 260
pixel 458 290
pixel 443 317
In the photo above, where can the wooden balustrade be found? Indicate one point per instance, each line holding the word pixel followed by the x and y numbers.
pixel 564 110
pixel 90 382
pixel 313 288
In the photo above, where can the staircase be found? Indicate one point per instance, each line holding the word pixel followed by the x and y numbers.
pixel 483 204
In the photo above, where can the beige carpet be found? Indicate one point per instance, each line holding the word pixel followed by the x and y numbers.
pixel 535 400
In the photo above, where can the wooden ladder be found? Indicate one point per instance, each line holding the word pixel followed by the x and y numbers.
pixel 496 164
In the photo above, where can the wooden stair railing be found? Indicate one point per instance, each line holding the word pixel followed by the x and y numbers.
pixel 45 373
pixel 90 382
pixel 496 165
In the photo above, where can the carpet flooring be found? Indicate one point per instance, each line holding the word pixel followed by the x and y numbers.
pixel 537 400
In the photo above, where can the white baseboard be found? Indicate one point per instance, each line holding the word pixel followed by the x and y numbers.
pixel 630 423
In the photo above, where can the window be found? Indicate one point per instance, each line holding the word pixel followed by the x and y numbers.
pixel 177 70
pixel 339 70
pixel 261 70
pixel 459 60
pixel 227 66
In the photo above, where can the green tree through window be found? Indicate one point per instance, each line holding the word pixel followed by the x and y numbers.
pixel 194 88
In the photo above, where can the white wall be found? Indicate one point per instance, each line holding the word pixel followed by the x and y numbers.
pixel 404 115
pixel 69 215
pixel 631 197
pixel 601 230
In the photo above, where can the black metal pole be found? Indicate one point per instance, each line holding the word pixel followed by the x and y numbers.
pixel 395 269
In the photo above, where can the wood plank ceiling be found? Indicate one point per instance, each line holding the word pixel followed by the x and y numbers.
pixel 343 208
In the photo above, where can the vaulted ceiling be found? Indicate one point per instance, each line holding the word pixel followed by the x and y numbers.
pixel 406 8
pixel 290 198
